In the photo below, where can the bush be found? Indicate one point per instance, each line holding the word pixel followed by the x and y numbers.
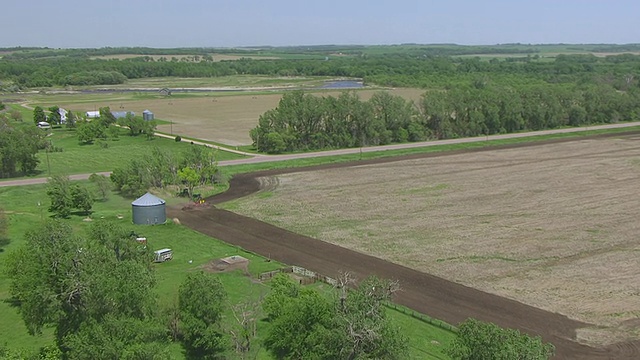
pixel 178 138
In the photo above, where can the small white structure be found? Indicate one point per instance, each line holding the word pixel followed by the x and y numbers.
pixel 162 255
pixel 44 125
pixel 92 114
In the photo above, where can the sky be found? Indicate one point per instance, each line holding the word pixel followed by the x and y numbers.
pixel 236 23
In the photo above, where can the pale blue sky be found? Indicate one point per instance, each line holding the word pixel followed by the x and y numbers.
pixel 229 23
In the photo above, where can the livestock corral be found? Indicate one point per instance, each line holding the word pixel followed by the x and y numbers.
pixel 553 226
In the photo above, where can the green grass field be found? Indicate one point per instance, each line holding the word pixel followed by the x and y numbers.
pixel 77 158
pixel 27 208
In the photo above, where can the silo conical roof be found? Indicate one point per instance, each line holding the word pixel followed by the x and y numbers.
pixel 148 200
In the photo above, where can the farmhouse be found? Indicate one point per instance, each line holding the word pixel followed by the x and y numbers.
pixel 63 115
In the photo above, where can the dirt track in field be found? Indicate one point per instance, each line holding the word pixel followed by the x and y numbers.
pixel 422 292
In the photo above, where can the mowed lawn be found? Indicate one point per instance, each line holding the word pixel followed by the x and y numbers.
pixel 215 116
pixel 553 226
pixel 77 158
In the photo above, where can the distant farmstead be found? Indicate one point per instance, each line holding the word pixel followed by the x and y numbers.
pixel 116 114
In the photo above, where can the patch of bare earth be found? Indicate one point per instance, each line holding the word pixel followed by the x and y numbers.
pixel 553 226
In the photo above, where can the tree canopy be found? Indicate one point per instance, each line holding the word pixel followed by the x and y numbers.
pixel 96 291
pixel 18 149
pixel 351 325
pixel 477 340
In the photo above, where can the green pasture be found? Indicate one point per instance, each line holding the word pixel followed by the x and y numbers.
pixel 106 155
pixel 27 209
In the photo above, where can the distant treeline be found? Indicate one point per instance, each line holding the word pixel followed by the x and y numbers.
pixel 307 122
pixel 399 70
pixel 407 49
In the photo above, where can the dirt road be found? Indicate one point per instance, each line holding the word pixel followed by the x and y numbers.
pixel 422 292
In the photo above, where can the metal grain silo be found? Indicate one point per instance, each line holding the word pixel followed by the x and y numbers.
pixel 147 115
pixel 148 210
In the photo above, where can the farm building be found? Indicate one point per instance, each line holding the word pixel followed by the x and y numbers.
pixel 63 115
pixel 147 115
pixel 122 114
pixel 116 114
pixel 148 210
pixel 92 114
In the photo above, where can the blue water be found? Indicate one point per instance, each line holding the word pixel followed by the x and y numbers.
pixel 343 84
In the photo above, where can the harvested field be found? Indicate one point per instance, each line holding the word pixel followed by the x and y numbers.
pixel 551 226
pixel 222 119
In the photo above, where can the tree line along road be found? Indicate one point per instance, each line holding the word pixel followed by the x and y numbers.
pixel 261 158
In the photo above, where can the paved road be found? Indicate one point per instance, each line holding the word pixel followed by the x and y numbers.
pixel 260 158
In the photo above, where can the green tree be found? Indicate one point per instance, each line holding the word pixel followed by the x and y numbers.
pixel 135 124
pixel 106 118
pixel 477 340
pixel 100 303
pixel 306 324
pixel 88 131
pixel 66 196
pixel 61 196
pixel 18 149
pixel 201 299
pixel 15 115
pixel 189 177
pixel 71 120
pixel 81 198
pixel 149 128
pixel 103 185
pixel 54 117
pixel 38 115
pixel 203 160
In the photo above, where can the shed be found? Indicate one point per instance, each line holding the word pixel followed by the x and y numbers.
pixel 122 114
pixel 147 115
pixel 92 114
pixel 148 210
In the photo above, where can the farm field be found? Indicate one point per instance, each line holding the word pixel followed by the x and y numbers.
pixel 551 226
pixel 225 119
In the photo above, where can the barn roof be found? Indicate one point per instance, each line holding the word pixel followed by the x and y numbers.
pixel 147 200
